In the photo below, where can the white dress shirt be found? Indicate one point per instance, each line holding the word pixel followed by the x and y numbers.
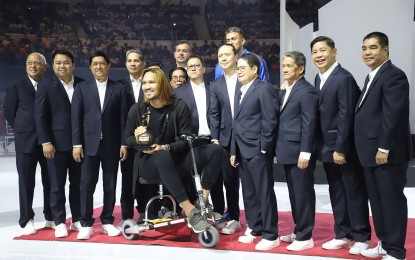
pixel 326 75
pixel 244 89
pixel 102 87
pixel 231 86
pixel 136 83
pixel 372 75
pixel 199 92
pixel 34 83
pixel 68 88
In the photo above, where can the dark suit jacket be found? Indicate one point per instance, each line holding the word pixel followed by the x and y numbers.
pixel 221 116
pixel 88 122
pixel 168 68
pixel 337 101
pixel 130 93
pixel 382 121
pixel 298 121
pixel 19 112
pixel 185 92
pixel 255 120
pixel 53 113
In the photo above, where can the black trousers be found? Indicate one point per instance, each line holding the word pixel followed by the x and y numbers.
pixel 259 197
pixel 349 201
pixel 300 184
pixel 385 185
pixel 142 193
pixel 229 178
pixel 60 167
pixel 160 167
pixel 26 168
pixel 89 178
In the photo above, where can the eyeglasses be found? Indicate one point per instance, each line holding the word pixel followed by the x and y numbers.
pixel 195 66
pixel 178 77
pixel 242 68
pixel 36 63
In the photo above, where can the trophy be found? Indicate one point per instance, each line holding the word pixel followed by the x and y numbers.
pixel 146 139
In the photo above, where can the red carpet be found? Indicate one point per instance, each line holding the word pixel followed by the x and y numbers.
pixel 180 236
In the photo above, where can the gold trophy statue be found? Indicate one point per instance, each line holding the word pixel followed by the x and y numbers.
pixel 146 139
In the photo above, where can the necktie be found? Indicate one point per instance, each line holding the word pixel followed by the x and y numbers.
pixel 365 89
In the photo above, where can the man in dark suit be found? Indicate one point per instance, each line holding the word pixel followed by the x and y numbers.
pixel 383 144
pixel 98 120
pixel 19 112
pixel 222 100
pixel 295 148
pixel 252 149
pixel 338 94
pixel 53 124
pixel 135 64
pixel 182 52
pixel 196 94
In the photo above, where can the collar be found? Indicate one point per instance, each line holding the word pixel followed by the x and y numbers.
pixel 373 72
pixel 135 80
pixel 70 82
pixel 326 74
pixel 194 85
pixel 249 84
pixel 101 84
pixel 34 82
pixel 292 85
pixel 233 76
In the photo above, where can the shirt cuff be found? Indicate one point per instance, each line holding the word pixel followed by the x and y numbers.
pixel 77 146
pixel 264 152
pixel 46 143
pixel 383 150
pixel 305 156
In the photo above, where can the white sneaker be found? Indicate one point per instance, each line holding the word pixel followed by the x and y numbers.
pixel 288 238
pixel 231 227
pixel 247 231
pixel 76 226
pixel 110 230
pixel 338 243
pixel 84 233
pixel 375 252
pixel 265 244
pixel 301 245
pixel 49 224
pixel 61 231
pixel 29 229
pixel 358 247
pixel 247 239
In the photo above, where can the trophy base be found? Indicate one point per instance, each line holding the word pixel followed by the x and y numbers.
pixel 143 147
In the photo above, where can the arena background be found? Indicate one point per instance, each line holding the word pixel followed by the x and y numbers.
pixel 154 26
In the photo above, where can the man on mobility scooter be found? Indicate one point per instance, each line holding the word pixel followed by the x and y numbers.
pixel 169 157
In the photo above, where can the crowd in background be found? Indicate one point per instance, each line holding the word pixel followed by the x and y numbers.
pixel 84 28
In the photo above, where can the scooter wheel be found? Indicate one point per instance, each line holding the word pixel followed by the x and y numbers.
pixel 127 224
pixel 209 238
